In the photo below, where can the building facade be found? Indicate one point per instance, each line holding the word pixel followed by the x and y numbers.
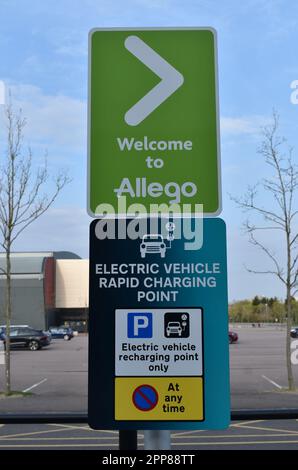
pixel 48 289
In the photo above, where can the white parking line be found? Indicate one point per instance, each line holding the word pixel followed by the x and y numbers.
pixel 35 385
pixel 177 434
pixel 243 423
pixel 272 382
pixel 85 428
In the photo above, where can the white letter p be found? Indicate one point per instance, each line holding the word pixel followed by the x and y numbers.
pixel 139 322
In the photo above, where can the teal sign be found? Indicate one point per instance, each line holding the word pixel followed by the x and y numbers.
pixel 153 121
pixel 158 323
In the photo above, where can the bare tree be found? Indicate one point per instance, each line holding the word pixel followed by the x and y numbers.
pixel 22 201
pixel 278 215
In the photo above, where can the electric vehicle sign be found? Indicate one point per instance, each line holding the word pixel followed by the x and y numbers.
pixel 153 121
pixel 154 307
pixel 164 342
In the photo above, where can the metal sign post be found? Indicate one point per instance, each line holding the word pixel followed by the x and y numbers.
pixel 157 440
pixel 128 440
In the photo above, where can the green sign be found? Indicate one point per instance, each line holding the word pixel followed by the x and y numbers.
pixel 153 124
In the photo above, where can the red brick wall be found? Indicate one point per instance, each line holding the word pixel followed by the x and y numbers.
pixel 49 283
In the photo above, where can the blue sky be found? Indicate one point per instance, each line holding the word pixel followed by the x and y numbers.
pixel 43 59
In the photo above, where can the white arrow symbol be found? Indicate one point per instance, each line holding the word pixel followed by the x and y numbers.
pixel 171 80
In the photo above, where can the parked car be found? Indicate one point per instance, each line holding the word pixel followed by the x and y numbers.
pixel 233 337
pixel 78 326
pixel 61 332
pixel 3 327
pixel 26 337
pixel 294 332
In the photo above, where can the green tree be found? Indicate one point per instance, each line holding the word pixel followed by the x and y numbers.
pixel 256 301
pixel 272 301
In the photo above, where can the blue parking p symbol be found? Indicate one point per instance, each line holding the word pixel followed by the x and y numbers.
pixel 139 325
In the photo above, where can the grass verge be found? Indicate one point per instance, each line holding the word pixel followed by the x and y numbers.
pixel 15 394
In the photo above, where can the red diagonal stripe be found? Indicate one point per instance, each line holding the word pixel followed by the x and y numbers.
pixel 145 398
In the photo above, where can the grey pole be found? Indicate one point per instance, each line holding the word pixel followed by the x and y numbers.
pixel 157 440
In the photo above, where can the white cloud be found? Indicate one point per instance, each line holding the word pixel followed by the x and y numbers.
pixel 60 229
pixel 2 92
pixel 243 125
pixel 57 120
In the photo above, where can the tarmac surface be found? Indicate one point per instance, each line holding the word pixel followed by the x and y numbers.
pixel 57 379
pixel 245 435
pixel 56 376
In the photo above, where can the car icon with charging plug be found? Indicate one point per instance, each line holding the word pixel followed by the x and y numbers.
pixel 153 244
pixel 174 328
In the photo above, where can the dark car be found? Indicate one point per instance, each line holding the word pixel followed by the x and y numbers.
pixel 294 332
pixel 62 332
pixel 233 337
pixel 3 327
pixel 26 337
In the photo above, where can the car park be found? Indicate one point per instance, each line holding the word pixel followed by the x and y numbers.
pixel 294 332
pixel 233 337
pixel 26 337
pixel 61 332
